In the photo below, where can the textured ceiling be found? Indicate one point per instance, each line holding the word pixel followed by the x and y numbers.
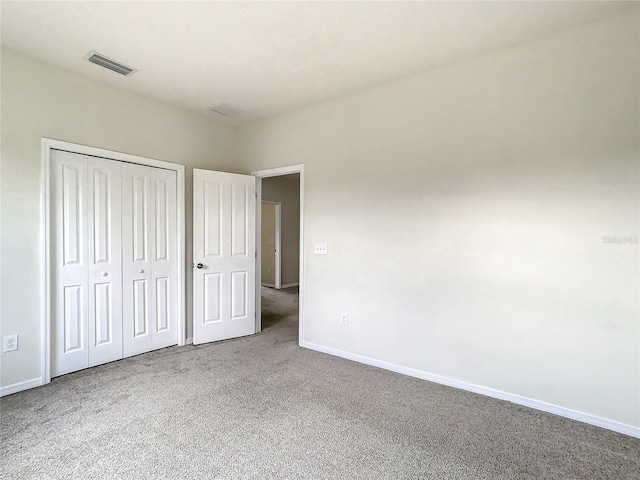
pixel 267 58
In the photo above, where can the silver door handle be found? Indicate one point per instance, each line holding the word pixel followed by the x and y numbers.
pixel 141 271
pixel 104 274
pixel 200 266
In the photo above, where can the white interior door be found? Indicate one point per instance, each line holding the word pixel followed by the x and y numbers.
pixel 224 255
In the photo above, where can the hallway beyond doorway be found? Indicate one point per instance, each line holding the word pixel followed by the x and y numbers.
pixel 280 313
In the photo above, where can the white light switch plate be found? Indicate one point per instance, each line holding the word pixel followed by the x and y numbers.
pixel 320 249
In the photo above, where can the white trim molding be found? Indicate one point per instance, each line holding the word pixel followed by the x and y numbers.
pixel 489 392
pixel 47 145
pixel 20 386
pixel 286 285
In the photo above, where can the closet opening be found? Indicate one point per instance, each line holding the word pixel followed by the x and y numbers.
pixel 113 250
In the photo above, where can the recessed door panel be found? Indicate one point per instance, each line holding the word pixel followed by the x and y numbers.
pixel 162 220
pixel 101 215
pixel 140 308
pixel 212 292
pixel 212 219
pixel 239 219
pixel 74 318
pixel 238 295
pixel 72 218
pixel 103 314
pixel 140 224
pixel 162 304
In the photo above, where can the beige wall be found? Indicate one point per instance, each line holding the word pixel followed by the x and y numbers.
pixel 39 100
pixel 464 211
pixel 286 190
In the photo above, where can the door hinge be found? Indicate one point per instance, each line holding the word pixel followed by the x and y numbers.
pixel 255 193
pixel 256 254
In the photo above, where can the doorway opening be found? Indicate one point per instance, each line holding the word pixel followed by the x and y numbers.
pixel 279 272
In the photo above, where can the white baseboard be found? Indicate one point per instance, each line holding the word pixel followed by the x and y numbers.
pixel 189 341
pixel 18 387
pixel 490 392
pixel 286 285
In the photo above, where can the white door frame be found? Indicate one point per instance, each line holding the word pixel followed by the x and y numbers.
pixel 277 172
pixel 47 145
pixel 277 241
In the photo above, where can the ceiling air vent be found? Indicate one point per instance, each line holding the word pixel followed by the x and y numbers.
pixel 98 59
pixel 226 110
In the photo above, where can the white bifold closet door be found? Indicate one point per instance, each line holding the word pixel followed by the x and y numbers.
pixel 87 264
pixel 102 237
pixel 149 264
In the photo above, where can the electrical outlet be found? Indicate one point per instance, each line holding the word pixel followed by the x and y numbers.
pixel 320 249
pixel 10 343
pixel 344 318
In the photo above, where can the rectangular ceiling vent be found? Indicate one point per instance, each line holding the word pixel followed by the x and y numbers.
pixel 226 110
pixel 99 59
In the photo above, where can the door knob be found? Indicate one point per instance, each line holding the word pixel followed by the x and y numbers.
pixel 200 266
pixel 104 274
pixel 141 271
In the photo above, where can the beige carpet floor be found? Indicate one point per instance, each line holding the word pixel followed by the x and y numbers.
pixel 261 407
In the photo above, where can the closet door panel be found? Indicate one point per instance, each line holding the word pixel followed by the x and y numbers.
pixel 104 260
pixel 70 350
pixel 138 253
pixel 165 260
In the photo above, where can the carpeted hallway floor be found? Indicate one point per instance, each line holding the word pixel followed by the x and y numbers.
pixel 261 407
pixel 280 313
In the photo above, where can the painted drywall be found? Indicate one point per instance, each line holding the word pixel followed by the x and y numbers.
pixel 469 212
pixel 286 190
pixel 268 244
pixel 39 100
